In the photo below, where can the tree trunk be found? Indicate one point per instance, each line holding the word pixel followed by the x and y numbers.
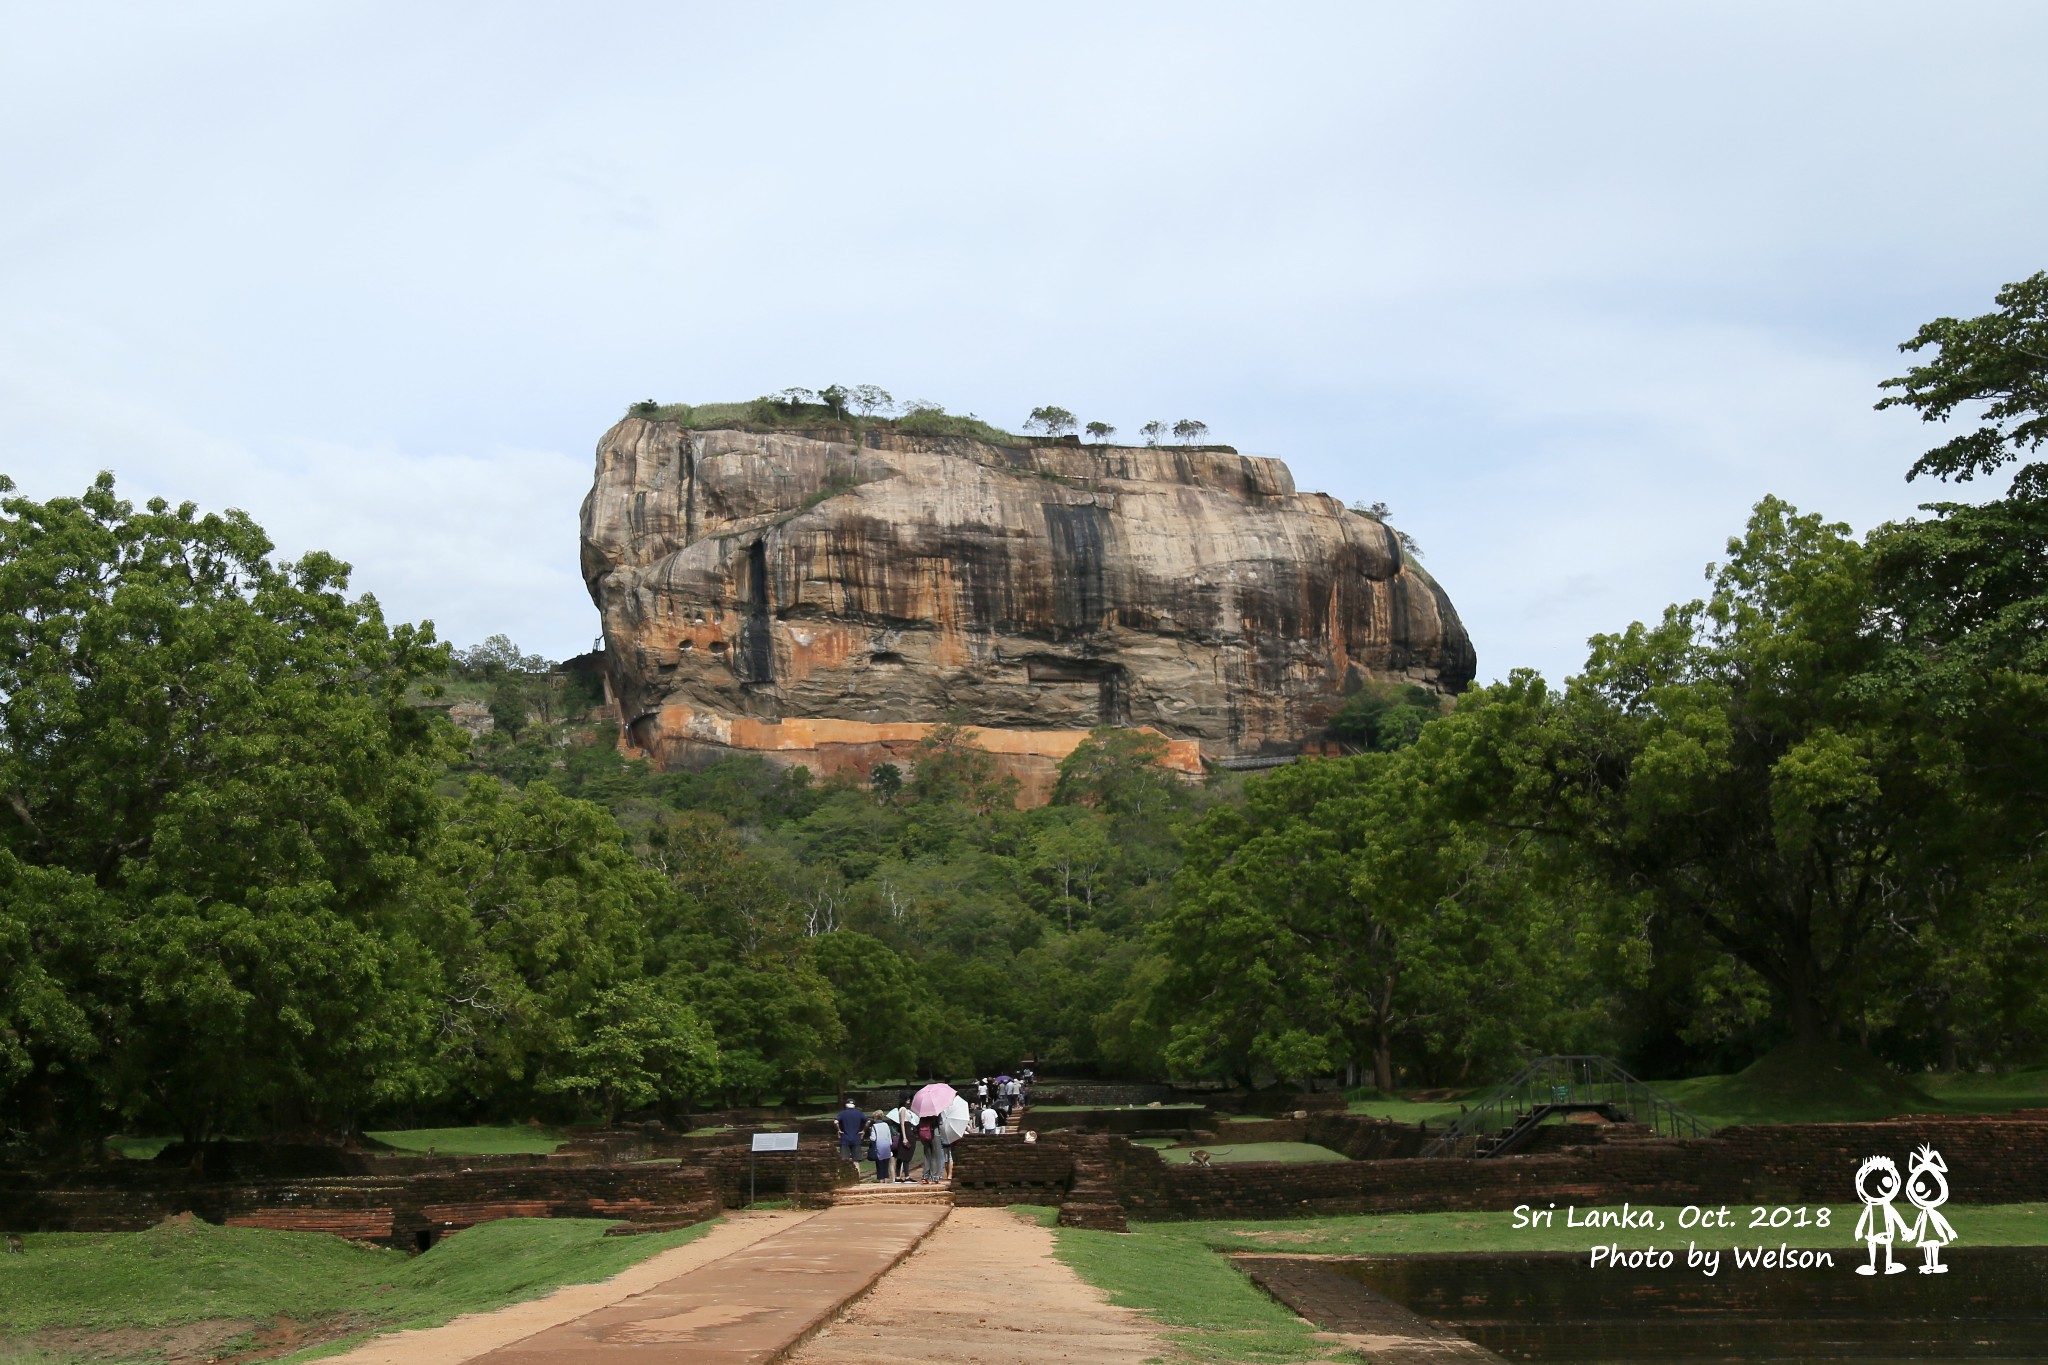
pixel 1802 1011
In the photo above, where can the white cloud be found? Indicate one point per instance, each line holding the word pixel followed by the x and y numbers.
pixel 1570 289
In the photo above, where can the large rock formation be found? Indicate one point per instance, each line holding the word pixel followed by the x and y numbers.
pixel 828 596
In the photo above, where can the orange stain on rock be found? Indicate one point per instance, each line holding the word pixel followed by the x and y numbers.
pixel 832 748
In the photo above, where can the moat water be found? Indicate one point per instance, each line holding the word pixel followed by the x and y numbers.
pixel 1992 1305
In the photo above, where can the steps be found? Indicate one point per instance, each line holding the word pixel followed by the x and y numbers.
pixel 1091 1200
pixel 891 1195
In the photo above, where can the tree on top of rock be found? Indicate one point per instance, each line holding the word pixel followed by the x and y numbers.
pixel 1190 432
pixel 1384 515
pixel 1100 431
pixel 1050 420
pixel 869 399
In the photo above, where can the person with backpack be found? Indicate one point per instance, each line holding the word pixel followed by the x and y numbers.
pixel 882 1143
pixel 928 1139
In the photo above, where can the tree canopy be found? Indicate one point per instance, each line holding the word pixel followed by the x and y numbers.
pixel 253 881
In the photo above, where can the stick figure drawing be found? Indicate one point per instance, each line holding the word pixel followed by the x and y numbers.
pixel 1877 1184
pixel 1927 1187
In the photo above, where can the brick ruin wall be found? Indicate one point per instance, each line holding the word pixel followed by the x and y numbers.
pixel 406 1209
pixel 1990 1161
pixel 410 1201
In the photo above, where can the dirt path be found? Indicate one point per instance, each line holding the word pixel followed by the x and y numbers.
pixel 985 1287
pixel 473 1334
pixel 748 1308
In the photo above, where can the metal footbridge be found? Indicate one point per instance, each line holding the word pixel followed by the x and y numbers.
pixel 1554 1087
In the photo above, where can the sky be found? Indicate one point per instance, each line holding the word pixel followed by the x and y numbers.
pixel 1569 286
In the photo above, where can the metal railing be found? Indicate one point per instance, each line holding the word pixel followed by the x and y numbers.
pixel 1550 1086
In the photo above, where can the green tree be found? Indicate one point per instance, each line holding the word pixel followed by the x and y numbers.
pixel 544 911
pixel 1999 360
pixel 495 658
pixel 1053 421
pixel 1968 586
pixel 875 995
pixel 1070 861
pixel 1737 765
pixel 886 781
pixel 869 399
pixel 634 1046
pixel 1152 432
pixel 1117 770
pixel 221 747
pixel 1100 432
pixel 1190 432
pixel 1384 716
pixel 1339 915
pixel 732 943
pixel 952 769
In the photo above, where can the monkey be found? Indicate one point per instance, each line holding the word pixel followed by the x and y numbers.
pixel 14 1243
pixel 1200 1158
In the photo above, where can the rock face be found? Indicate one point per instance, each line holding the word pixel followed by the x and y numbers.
pixel 828 596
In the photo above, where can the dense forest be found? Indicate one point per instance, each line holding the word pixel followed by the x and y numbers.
pixel 253 879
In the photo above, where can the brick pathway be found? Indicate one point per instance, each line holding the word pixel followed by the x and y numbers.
pixel 750 1306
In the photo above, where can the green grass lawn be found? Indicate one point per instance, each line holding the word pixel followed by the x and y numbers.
pixel 1399 1234
pixel 1211 1312
pixel 1174 1271
pixel 191 1272
pixel 1293 1153
pixel 1436 1113
pixel 1992 1094
pixel 483 1140
pixel 138 1148
pixel 1820 1083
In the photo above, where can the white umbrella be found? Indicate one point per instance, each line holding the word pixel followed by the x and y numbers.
pixel 953 1121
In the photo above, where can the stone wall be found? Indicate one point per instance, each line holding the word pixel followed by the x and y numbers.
pixel 1005 1169
pixel 1160 1120
pixel 395 1209
pixel 1106 1094
pixel 806 1176
pixel 1990 1161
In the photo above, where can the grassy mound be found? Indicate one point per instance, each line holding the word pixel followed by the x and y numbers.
pixel 1804 1083
pixel 191 1271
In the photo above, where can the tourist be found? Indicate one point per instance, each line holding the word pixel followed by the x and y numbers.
pixel 906 1132
pixel 882 1142
pixel 851 1121
pixel 989 1122
pixel 928 1140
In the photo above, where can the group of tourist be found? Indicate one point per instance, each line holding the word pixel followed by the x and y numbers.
pixel 893 1139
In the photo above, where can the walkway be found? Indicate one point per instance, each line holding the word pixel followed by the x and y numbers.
pixel 985 1287
pixel 746 1308
pixel 745 1292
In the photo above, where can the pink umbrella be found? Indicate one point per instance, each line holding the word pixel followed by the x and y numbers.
pixel 931 1101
